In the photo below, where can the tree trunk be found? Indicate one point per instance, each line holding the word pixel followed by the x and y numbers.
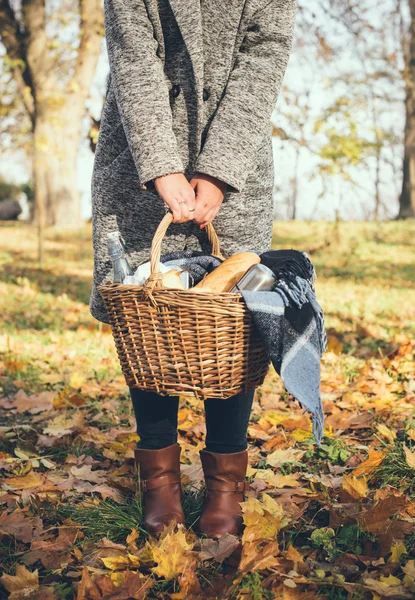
pixel 407 197
pixel 54 91
pixel 56 138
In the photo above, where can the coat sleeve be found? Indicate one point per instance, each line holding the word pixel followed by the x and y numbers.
pixel 244 113
pixel 141 89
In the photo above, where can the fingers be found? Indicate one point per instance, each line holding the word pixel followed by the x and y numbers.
pixel 209 198
pixel 181 206
pixel 178 194
pixel 210 216
pixel 201 209
pixel 176 210
pixel 185 211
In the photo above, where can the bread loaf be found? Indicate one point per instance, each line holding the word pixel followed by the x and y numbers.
pixel 172 279
pixel 228 273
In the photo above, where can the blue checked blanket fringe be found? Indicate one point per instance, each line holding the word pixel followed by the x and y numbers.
pixel 289 318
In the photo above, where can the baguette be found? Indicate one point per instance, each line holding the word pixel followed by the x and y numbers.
pixel 172 279
pixel 228 273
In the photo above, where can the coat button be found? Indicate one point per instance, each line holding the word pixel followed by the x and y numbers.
pixel 175 90
pixel 206 94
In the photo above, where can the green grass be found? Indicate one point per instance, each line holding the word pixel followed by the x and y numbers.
pixel 394 469
pixel 106 518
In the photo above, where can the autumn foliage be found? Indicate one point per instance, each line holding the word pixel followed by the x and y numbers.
pixel 335 522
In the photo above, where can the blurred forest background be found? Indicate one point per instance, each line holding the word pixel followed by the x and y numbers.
pixel 344 125
pixel 329 523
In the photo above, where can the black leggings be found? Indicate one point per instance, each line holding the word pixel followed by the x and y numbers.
pixel 226 421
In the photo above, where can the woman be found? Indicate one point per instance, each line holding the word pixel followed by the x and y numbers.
pixel 186 127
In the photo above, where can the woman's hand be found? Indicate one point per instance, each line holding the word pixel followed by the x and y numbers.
pixel 178 194
pixel 209 197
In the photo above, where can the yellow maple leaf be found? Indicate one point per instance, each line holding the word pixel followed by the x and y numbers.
pixel 258 527
pixel 356 488
pixel 373 460
pixel 397 550
pixel 275 480
pixel 76 381
pixel 252 505
pixel 390 580
pixel 131 539
pixel 116 563
pixel 273 417
pixel 294 555
pixel 300 435
pixel 117 578
pixel 32 479
pixel 410 457
pixel 272 506
pixel 171 553
pixel 385 432
pixel 262 519
pixel 134 560
pixel 281 481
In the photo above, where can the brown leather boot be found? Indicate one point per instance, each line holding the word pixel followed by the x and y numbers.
pixel 226 487
pixel 159 472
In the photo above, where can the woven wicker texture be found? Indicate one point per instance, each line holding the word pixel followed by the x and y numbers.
pixel 178 342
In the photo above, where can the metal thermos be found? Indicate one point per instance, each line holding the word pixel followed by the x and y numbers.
pixel 258 277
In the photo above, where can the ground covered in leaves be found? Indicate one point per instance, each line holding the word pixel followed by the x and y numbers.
pixel 335 522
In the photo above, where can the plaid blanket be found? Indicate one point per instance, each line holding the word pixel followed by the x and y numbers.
pixel 289 318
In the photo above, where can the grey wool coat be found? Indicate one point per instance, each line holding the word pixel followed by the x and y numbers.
pixel 192 87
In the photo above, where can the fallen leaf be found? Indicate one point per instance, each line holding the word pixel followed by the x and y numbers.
pixel 55 554
pixel 64 425
pixel 131 540
pixel 373 460
pixel 410 457
pixel 116 562
pixel 19 525
pixel 34 403
pixel 171 553
pixel 127 585
pixel 21 585
pixel 300 435
pixel 85 472
pixel 258 556
pixel 283 456
pixel 31 480
pixel 375 518
pixel 398 549
pixel 76 381
pixel 355 488
pixel 409 579
pixel 385 432
pixel 262 519
pixel 218 549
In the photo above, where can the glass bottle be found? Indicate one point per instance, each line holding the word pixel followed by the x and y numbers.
pixel 116 251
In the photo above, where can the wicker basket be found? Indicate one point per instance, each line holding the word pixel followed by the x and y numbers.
pixel 178 342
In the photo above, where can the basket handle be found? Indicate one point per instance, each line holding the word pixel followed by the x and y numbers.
pixel 155 275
